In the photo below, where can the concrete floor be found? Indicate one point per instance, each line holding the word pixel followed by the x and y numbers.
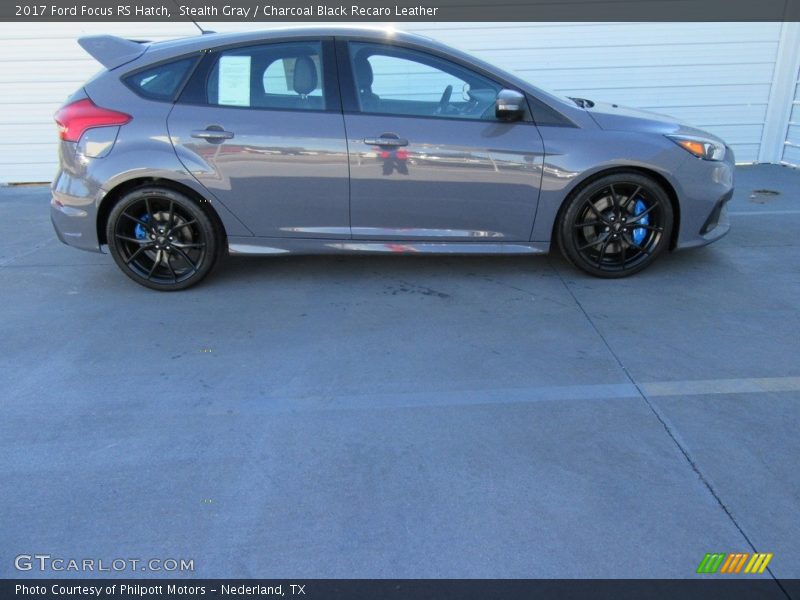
pixel 406 417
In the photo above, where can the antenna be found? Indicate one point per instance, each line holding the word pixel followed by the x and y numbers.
pixel 202 31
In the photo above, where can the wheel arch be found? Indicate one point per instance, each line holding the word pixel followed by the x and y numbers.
pixel 113 196
pixel 652 174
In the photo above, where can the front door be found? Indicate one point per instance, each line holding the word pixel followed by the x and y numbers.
pixel 428 159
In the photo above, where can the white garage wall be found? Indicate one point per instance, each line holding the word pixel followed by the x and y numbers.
pixel 791 149
pixel 717 76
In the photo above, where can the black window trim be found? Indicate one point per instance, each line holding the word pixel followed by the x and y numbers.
pixel 194 91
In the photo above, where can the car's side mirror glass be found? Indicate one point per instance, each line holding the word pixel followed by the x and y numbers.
pixel 509 105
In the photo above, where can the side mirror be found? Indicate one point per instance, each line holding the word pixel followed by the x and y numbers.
pixel 510 105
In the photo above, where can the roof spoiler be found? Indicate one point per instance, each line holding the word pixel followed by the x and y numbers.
pixel 112 51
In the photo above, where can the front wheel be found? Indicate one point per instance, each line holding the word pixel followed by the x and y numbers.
pixel 162 239
pixel 616 226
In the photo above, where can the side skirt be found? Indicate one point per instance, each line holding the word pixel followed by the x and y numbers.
pixel 276 246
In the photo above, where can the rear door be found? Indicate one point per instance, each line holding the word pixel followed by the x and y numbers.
pixel 428 158
pixel 260 126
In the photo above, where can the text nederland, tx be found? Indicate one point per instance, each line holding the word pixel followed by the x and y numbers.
pixel 111 590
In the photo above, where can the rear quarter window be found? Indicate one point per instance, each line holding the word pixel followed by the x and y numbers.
pixel 161 82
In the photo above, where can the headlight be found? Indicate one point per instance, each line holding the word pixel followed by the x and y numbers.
pixel 700 147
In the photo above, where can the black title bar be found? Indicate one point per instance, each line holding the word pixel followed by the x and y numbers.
pixel 400 10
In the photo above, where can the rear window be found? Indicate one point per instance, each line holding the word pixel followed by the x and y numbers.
pixel 160 82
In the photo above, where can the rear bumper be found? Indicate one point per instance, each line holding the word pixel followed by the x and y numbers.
pixel 73 213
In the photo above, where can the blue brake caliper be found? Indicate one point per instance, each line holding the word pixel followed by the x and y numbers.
pixel 639 233
pixel 139 231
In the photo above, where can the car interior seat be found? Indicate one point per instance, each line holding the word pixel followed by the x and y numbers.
pixel 364 78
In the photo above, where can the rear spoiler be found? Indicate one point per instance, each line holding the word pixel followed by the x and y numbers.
pixel 112 51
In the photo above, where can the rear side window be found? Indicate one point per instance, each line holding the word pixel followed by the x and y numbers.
pixel 160 82
pixel 274 76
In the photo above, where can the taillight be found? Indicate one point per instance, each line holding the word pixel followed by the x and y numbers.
pixel 73 119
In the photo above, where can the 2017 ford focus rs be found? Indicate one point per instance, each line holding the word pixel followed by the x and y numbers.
pixel 358 140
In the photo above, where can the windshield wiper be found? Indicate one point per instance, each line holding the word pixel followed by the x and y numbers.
pixel 582 102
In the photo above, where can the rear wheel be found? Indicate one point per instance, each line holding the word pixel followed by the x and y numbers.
pixel 162 239
pixel 616 226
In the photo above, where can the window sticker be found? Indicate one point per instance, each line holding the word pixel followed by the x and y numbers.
pixel 234 80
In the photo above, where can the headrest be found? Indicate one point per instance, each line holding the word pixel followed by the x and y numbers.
pixel 305 75
pixel 363 71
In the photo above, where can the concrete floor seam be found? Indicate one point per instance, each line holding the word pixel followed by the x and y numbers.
pixel 7 261
pixel 667 428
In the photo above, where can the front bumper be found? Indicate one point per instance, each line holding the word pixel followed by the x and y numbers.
pixel 717 224
pixel 705 188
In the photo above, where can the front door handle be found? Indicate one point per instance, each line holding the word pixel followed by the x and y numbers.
pixel 214 134
pixel 387 139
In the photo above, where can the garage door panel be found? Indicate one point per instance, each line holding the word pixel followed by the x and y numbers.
pixel 791 155
pixel 738 134
pixel 705 116
pixel 26 71
pixel 32 113
pixel 478 37
pixel 795 115
pixel 40 153
pixel 666 100
pixel 21 133
pixel 58 31
pixel 27 173
pixel 746 153
pixel 665 77
pixel 63 49
pixel 47 92
pixel 652 56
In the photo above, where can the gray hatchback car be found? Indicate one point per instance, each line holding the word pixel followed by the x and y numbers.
pixel 360 140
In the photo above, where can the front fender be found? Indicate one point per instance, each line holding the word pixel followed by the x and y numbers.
pixel 574 156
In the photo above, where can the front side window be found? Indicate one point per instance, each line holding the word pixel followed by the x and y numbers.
pixel 400 81
pixel 271 76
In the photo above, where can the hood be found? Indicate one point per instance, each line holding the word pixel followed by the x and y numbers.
pixel 622 118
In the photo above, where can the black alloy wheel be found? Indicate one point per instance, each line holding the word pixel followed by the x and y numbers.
pixel 162 239
pixel 616 226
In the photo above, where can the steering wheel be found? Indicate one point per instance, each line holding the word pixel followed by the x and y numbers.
pixel 445 100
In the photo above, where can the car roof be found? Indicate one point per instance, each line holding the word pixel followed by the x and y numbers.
pixel 211 40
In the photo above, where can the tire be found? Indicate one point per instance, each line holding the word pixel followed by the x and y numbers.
pixel 616 226
pixel 175 253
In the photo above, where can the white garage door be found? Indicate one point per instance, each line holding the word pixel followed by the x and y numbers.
pixel 716 76
pixel 791 149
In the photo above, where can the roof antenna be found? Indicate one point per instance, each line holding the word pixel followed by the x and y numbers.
pixel 202 31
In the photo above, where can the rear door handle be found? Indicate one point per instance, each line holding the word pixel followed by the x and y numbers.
pixel 385 140
pixel 213 134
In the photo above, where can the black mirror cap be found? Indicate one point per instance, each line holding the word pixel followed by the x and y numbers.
pixel 510 105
